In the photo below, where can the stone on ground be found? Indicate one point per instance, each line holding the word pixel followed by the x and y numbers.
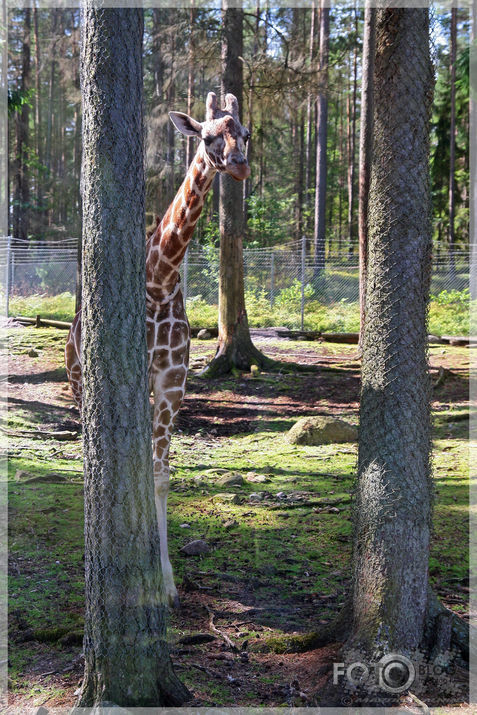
pixel 322 430
pixel 231 479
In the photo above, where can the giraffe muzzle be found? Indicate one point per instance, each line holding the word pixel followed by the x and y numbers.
pixel 238 169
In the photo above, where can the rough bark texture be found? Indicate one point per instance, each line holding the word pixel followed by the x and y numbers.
pixel 235 348
pixel 126 657
pixel 393 609
pixel 365 151
pixel 393 499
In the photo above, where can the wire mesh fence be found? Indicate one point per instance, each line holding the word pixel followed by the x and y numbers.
pixel 278 276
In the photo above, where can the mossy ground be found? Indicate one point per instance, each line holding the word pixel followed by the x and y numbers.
pixel 273 569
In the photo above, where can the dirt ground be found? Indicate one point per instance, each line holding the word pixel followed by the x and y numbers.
pixel 236 605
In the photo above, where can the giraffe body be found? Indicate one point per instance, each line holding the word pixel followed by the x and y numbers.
pixel 168 336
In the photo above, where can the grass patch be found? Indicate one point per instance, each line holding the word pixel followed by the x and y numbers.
pixel 448 311
pixel 292 564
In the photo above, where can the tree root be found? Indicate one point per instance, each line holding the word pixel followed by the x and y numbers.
pixel 334 632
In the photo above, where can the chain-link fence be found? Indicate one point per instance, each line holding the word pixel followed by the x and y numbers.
pixel 277 276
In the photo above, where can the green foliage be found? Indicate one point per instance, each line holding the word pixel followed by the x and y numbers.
pixel 18 98
pixel 54 307
pixel 452 297
pixel 449 312
pixel 290 297
pixel 268 220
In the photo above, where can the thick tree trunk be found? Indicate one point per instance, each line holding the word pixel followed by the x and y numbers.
pixel 365 152
pixel 126 656
pixel 392 611
pixel 393 501
pixel 235 348
pixel 321 138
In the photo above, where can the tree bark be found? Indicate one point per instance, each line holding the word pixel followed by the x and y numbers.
pixel 126 657
pixel 235 348
pixel 393 501
pixel 392 609
pixel 365 152
pixel 321 137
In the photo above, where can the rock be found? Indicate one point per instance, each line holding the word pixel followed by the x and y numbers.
pixel 321 430
pixel 231 479
pixel 255 370
pixel 204 334
pixel 195 548
pixel 257 478
pixel 230 524
pixel 255 496
pixel 227 497
pixel 185 526
pixel 32 353
pixel 281 495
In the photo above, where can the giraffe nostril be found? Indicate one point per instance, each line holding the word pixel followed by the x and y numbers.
pixel 237 159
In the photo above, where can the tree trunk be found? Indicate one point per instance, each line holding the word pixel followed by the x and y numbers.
pixel 247 189
pixel 190 81
pixel 38 137
pixel 453 55
pixel 309 115
pixel 352 147
pixel 21 207
pixel 171 132
pixel 321 137
pixel 235 348
pixel 126 657
pixel 393 499
pixel 365 152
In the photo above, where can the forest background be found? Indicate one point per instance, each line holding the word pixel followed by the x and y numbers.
pixel 284 77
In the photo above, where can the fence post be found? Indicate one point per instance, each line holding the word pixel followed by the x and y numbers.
pixel 303 254
pixel 186 275
pixel 272 279
pixel 7 276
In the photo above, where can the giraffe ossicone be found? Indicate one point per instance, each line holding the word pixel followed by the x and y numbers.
pixel 221 148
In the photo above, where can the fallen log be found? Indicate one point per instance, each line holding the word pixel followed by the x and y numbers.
pixel 65 435
pixel 42 322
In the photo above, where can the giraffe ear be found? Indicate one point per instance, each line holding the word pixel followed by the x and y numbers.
pixel 185 124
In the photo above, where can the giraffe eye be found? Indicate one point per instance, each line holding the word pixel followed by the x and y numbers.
pixel 208 140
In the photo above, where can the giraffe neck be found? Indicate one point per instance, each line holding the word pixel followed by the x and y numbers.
pixel 167 246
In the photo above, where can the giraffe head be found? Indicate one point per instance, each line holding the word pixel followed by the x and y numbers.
pixel 223 135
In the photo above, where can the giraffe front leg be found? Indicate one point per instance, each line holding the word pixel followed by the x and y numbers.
pixel 166 405
pixel 161 490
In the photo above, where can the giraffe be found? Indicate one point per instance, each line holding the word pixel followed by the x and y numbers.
pixel 221 149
